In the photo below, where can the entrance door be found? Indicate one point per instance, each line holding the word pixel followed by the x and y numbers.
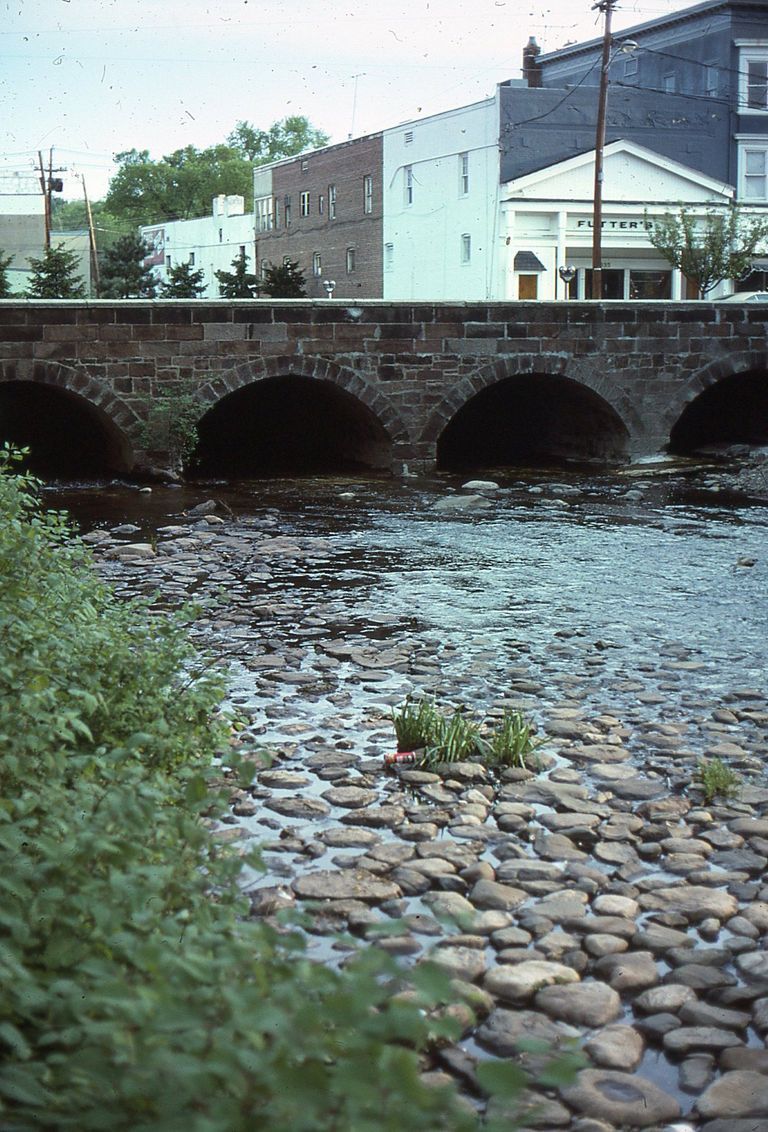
pixel 527 286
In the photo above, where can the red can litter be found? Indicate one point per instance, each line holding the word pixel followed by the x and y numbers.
pixel 400 758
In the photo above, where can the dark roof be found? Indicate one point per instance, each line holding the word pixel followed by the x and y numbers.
pixel 527 261
pixel 707 6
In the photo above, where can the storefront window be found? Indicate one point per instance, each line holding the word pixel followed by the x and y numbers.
pixel 612 283
pixel 650 284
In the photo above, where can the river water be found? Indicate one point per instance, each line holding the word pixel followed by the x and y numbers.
pixel 635 601
pixel 562 584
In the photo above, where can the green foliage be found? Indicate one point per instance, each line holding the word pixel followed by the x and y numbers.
pixel 5 286
pixel 421 726
pixel 287 138
pixel 717 779
pixel 512 743
pixel 239 283
pixel 53 276
pixel 122 271
pixel 171 424
pixel 183 282
pixel 182 184
pixel 284 281
pixel 711 248
pixel 137 994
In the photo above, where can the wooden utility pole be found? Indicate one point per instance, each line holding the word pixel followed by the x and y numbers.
pixel 95 281
pixel 607 7
pixel 48 186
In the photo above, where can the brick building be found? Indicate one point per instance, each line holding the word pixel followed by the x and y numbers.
pixel 324 210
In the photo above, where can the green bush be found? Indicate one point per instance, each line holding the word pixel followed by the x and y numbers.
pixel 137 995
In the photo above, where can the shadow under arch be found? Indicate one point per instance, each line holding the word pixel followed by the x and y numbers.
pixel 724 403
pixel 72 423
pixel 542 408
pixel 295 415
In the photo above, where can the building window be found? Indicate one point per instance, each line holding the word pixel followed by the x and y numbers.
pixel 350 260
pixel 317 263
pixel 331 202
pixel 287 211
pixel 191 259
pixel 277 213
pixel 304 165
pixel 368 193
pixel 221 235
pixel 463 174
pixel 408 182
pixel 264 214
pixel 264 268
pixel 650 284
pixel 168 263
pixel 242 250
pixel 669 84
pixel 466 248
pixel 630 67
pixel 754 172
pixel 711 80
pixel 408 137
pixel 389 257
pixel 320 204
pixel 753 77
pixel 304 201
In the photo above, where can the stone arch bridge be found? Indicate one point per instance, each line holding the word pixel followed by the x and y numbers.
pixel 384 385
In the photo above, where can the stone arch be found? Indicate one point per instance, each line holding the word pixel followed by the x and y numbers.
pixel 118 419
pixel 711 374
pixel 579 371
pixel 318 369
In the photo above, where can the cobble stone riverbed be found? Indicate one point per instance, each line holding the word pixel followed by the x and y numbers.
pixel 598 896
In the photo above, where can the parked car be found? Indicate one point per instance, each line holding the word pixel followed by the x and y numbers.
pixel 746 297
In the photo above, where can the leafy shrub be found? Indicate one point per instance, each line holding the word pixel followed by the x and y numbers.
pixel 137 994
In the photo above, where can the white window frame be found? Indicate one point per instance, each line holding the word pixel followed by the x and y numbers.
pixel 464 174
pixel 389 257
pixel 669 83
pixel 367 194
pixel 748 146
pixel 408 185
pixel 304 204
pixel 331 202
pixel 466 248
pixel 317 263
pixel 351 261
pixel 711 80
pixel 751 51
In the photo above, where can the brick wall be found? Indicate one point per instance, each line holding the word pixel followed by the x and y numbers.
pixel 413 366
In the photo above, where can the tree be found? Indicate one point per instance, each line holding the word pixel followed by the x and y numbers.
pixel 5 286
pixel 123 273
pixel 284 282
pixel 286 138
pixel 182 184
pixel 711 248
pixel 239 283
pixel 183 283
pixel 53 276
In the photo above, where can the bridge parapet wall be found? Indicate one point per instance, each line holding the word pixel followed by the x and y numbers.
pixel 414 364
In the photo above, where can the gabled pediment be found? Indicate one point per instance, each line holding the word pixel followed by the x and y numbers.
pixel 632 174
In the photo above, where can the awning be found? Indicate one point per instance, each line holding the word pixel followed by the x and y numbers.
pixel 527 261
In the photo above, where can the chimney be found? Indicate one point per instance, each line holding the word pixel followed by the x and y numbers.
pixel 531 69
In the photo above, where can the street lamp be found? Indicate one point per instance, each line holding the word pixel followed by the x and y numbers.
pixel 606 6
pixel 329 285
pixel 567 274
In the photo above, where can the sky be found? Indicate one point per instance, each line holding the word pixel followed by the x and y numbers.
pixel 92 78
